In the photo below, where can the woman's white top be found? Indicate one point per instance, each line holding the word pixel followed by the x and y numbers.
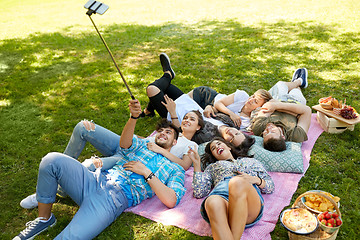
pixel 185 104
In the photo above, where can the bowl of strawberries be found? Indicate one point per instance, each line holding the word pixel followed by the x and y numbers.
pixel 329 221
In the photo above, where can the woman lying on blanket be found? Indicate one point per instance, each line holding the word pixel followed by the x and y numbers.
pixel 235 183
pixel 194 128
pixel 237 106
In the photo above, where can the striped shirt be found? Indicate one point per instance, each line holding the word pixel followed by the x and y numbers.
pixel 169 173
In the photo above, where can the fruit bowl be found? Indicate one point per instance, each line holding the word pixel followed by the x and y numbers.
pixel 329 222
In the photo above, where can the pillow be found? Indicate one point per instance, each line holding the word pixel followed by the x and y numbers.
pixel 201 148
pixel 290 160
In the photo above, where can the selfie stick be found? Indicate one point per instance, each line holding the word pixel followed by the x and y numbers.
pixel 89 13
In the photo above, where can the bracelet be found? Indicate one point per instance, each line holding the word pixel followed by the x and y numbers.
pixel 175 118
pixel 261 181
pixel 131 116
pixel 151 175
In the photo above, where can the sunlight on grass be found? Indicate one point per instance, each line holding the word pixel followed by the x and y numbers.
pixel 32 18
pixel 3 67
pixel 5 103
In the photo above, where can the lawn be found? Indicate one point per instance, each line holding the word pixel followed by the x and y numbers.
pixel 54 72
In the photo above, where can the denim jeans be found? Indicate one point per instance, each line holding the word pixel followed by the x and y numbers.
pixel 105 141
pixel 100 202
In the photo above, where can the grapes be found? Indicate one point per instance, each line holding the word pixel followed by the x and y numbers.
pixel 348 113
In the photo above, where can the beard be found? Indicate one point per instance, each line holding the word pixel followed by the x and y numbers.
pixel 165 145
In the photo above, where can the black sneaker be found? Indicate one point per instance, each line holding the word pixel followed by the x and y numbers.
pixel 165 63
pixel 303 76
pixel 35 227
pixel 296 74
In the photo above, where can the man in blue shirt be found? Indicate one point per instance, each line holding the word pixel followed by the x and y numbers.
pixel 104 194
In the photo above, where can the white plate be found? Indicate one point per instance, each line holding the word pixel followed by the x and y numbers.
pixel 313 210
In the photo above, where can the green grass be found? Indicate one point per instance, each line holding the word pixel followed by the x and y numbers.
pixel 54 71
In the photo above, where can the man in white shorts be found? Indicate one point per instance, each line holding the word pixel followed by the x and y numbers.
pixel 286 118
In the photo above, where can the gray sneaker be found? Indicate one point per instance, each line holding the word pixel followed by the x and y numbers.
pixel 35 227
pixel 29 202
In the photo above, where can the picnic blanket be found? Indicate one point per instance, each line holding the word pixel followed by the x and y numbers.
pixel 187 214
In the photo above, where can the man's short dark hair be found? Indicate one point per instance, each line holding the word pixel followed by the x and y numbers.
pixel 275 144
pixel 166 124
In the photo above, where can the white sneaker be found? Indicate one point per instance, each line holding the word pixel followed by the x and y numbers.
pixel 29 202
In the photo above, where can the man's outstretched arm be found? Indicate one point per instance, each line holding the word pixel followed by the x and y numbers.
pixel 128 130
pixel 301 111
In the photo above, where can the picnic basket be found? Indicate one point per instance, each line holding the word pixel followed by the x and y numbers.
pixel 319 234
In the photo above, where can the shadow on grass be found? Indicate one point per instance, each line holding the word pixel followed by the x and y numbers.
pixel 50 81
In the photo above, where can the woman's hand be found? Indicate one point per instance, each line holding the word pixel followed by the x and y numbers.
pixel 249 178
pixel 236 119
pixel 170 105
pixel 154 147
pixel 195 158
pixel 209 111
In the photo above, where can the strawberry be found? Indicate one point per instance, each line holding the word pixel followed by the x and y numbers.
pixel 331 221
pixel 327 216
pixel 335 215
pixel 324 222
pixel 329 225
pixel 338 222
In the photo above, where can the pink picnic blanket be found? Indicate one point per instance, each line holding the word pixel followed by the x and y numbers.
pixel 187 214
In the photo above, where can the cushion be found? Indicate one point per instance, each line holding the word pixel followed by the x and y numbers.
pixel 290 160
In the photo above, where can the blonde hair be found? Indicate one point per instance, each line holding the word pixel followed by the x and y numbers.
pixel 262 93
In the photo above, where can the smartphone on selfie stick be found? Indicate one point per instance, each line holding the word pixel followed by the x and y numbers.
pixel 100 8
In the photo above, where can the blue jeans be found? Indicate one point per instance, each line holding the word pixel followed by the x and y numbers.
pixel 100 202
pixel 105 141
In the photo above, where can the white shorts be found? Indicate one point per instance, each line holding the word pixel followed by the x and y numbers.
pixel 281 92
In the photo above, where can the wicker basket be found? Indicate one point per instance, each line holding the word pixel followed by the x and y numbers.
pixel 319 233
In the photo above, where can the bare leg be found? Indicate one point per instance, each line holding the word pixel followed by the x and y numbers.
pixel 152 90
pixel 244 205
pixel 217 211
pixel 45 210
pixel 294 84
pixel 191 93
